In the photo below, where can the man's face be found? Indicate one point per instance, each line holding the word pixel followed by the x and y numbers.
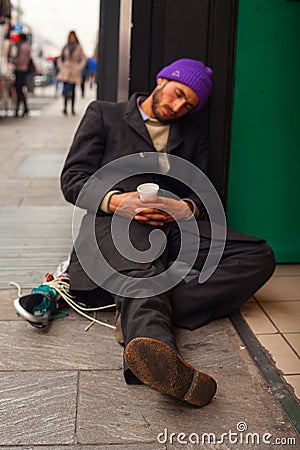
pixel 171 100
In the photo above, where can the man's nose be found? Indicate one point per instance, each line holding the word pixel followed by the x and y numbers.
pixel 178 104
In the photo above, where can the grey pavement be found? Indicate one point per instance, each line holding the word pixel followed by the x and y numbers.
pixel 63 388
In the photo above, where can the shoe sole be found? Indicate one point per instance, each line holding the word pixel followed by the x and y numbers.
pixel 158 366
pixel 37 322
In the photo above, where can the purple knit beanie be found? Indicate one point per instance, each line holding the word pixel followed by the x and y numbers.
pixel 192 73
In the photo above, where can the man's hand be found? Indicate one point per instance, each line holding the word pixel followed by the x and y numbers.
pixel 155 211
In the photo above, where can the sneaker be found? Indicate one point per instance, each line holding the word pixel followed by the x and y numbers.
pixel 41 305
pixel 36 308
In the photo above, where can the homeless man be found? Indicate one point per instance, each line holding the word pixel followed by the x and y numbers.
pixel 154 129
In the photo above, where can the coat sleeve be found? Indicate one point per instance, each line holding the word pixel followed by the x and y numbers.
pixel 84 159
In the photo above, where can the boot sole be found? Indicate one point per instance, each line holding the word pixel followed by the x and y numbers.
pixel 158 366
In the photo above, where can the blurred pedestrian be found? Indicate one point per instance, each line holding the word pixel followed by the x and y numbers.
pixel 56 71
pixel 92 70
pixel 21 62
pixel 84 75
pixel 70 64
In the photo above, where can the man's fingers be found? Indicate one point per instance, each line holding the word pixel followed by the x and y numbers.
pixel 149 209
pixel 145 217
pixel 147 221
pixel 154 219
pixel 155 224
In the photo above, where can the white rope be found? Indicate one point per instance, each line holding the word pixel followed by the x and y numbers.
pixel 13 283
pixel 62 288
pixel 92 323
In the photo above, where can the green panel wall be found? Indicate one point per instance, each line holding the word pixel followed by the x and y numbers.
pixel 264 175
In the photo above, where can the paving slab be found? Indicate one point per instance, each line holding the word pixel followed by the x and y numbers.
pixel 209 346
pixel 12 162
pixel 7 311
pixel 43 192
pixel 65 346
pixel 95 447
pixel 46 165
pixel 33 241
pixel 12 191
pixel 37 407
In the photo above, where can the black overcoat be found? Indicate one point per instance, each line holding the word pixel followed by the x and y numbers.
pixel 109 131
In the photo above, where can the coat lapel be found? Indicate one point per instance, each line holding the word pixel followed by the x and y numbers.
pixel 134 120
pixel 175 137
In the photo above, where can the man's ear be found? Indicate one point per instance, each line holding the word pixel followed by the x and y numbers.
pixel 161 81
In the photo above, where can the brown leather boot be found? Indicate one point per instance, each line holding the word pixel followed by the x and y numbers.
pixel 158 366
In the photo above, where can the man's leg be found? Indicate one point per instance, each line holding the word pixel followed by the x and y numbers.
pixel 148 316
pixel 245 266
pixel 151 355
pixel 146 320
pixel 93 298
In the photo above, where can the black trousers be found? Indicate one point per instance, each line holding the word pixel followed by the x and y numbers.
pixel 20 84
pixel 246 264
pixel 69 93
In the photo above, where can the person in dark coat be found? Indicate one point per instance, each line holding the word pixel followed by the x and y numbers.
pixel 21 62
pixel 119 250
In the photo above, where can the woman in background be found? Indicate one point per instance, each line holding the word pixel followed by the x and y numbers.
pixel 70 65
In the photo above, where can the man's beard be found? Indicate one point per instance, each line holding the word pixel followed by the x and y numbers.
pixel 156 103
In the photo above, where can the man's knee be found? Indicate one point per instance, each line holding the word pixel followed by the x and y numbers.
pixel 266 259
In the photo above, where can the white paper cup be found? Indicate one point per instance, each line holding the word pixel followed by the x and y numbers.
pixel 146 190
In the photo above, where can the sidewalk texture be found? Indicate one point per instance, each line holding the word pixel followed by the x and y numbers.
pixel 63 388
